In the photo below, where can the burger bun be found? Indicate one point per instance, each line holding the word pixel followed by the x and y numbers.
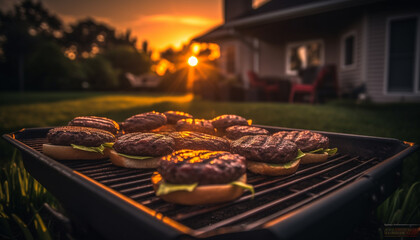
pixel 122 161
pixel 314 158
pixel 202 194
pixel 69 153
pixel 270 170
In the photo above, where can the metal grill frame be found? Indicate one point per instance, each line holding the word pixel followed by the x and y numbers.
pixel 99 208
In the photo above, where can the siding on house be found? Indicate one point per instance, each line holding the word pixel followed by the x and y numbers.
pixel 272 59
pixel 243 59
pixel 351 77
pixel 376 58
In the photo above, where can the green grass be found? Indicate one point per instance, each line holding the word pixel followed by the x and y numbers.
pixel 403 207
pixel 21 199
pixel 400 121
pixel 53 109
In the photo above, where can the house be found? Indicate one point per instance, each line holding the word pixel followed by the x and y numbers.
pixel 374 44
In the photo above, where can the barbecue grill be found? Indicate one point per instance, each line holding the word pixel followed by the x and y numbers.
pixel 324 200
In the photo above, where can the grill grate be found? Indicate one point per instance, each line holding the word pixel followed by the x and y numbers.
pixel 274 196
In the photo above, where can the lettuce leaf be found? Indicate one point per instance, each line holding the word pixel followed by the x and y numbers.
pixel 244 186
pixel 108 144
pixel 299 155
pixel 284 165
pixel 288 164
pixel 165 188
pixel 99 149
pixel 330 152
pixel 134 157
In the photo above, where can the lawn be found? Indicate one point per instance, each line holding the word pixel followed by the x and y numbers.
pixel 53 109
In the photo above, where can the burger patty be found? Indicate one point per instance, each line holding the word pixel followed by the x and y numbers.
pixel 305 140
pixel 202 167
pixel 196 125
pixel 175 116
pixel 96 122
pixel 237 131
pixel 144 144
pixel 265 148
pixel 144 122
pixel 84 136
pixel 225 121
pixel 199 141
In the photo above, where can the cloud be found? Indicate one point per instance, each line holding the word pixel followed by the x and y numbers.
pixel 185 20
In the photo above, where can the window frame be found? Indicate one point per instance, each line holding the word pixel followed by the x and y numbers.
pixel 291 45
pixel 343 50
pixel 416 80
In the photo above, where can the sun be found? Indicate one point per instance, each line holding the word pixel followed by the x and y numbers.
pixel 192 61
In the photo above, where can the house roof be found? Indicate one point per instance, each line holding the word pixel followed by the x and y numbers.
pixel 216 33
pixel 279 10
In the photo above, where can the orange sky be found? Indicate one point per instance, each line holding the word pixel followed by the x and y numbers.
pixel 161 22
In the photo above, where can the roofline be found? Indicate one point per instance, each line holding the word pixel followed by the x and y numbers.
pixel 295 12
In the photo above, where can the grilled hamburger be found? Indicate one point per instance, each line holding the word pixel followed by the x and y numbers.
pixel 73 142
pixel 193 177
pixel 268 155
pixel 224 121
pixel 96 122
pixel 141 150
pixel 238 131
pixel 144 122
pixel 314 145
pixel 199 141
pixel 174 116
pixel 196 125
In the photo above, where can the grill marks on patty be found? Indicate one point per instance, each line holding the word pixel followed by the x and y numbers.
pixel 175 116
pixel 84 136
pixel 199 141
pixel 144 122
pixel 224 121
pixel 305 140
pixel 236 132
pixel 145 144
pixel 96 122
pixel 264 148
pixel 196 125
pixel 202 166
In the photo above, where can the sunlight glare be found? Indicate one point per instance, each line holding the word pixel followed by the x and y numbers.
pixel 192 61
pixel 195 48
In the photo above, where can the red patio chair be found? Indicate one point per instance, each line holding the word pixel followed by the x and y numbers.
pixel 268 88
pixel 326 73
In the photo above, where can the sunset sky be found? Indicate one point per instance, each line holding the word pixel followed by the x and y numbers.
pixel 161 22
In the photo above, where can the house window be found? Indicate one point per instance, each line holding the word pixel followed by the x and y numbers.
pixel 303 55
pixel 348 50
pixel 403 60
pixel 230 59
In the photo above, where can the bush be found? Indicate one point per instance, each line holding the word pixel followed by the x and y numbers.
pixel 175 82
pixel 100 75
pixel 48 69
pixel 128 59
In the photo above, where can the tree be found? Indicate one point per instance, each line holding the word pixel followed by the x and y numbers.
pixel 87 38
pixel 100 74
pixel 48 69
pixel 20 31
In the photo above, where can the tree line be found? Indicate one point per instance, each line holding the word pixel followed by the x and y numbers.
pixel 39 52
